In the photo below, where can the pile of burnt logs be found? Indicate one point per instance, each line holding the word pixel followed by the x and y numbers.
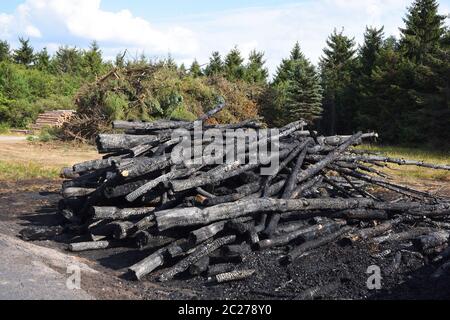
pixel 204 219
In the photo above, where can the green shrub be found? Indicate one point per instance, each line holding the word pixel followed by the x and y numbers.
pixel 55 102
pixel 4 128
pixel 48 134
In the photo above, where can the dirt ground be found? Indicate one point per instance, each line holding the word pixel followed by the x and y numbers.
pixel 49 155
pixel 340 269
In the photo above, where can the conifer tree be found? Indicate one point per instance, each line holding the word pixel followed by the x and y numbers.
pixel 363 103
pixel 195 70
pixel 4 51
pixel 68 60
pixel 423 30
pixel 42 60
pixel 286 66
pixel 215 65
pixel 170 63
pixel 234 69
pixel 24 54
pixel 93 60
pixel 182 70
pixel 255 72
pixel 295 93
pixel 304 93
pixel 337 65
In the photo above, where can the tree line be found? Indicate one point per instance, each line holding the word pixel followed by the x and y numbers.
pixel 397 87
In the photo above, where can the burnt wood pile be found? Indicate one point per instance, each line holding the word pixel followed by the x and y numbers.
pixel 203 219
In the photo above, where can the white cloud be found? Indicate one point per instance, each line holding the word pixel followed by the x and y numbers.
pixel 77 20
pixel 272 29
pixel 276 29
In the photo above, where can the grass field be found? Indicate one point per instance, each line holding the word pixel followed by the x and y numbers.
pixel 413 172
pixel 22 160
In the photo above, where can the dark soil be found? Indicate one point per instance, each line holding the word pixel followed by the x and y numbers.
pixel 338 270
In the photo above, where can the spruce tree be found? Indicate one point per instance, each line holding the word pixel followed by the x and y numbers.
pixel 337 66
pixel 93 60
pixel 170 63
pixel 370 49
pixel 234 69
pixel 286 66
pixel 304 93
pixel 215 65
pixel 42 60
pixel 24 54
pixel 68 60
pixel 4 51
pixel 195 70
pixel 423 30
pixel 255 72
pixel 363 103
pixel 295 93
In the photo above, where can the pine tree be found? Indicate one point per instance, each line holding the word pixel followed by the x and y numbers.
pixel 423 30
pixel 255 72
pixel 195 70
pixel 215 65
pixel 336 66
pixel 24 54
pixel 42 60
pixel 4 51
pixel 304 93
pixel 234 69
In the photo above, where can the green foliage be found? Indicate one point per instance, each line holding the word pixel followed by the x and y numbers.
pixel 24 54
pixel 42 60
pixel 304 93
pixel 68 60
pixel 401 89
pixel 234 69
pixel 286 66
pixel 159 91
pixel 215 66
pixel 48 134
pixel 423 31
pixel 296 92
pixel 4 128
pixel 336 66
pixel 18 113
pixel 4 51
pixel 255 72
pixel 195 70
pixel 116 105
pixel 92 61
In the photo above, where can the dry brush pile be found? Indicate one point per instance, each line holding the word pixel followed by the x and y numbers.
pixel 203 219
pixel 151 92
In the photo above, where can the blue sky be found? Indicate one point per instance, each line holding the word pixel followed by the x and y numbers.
pixel 189 29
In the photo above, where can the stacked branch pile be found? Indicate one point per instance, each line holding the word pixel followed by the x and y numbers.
pixel 203 219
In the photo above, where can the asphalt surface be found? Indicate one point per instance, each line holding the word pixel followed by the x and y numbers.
pixel 30 272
